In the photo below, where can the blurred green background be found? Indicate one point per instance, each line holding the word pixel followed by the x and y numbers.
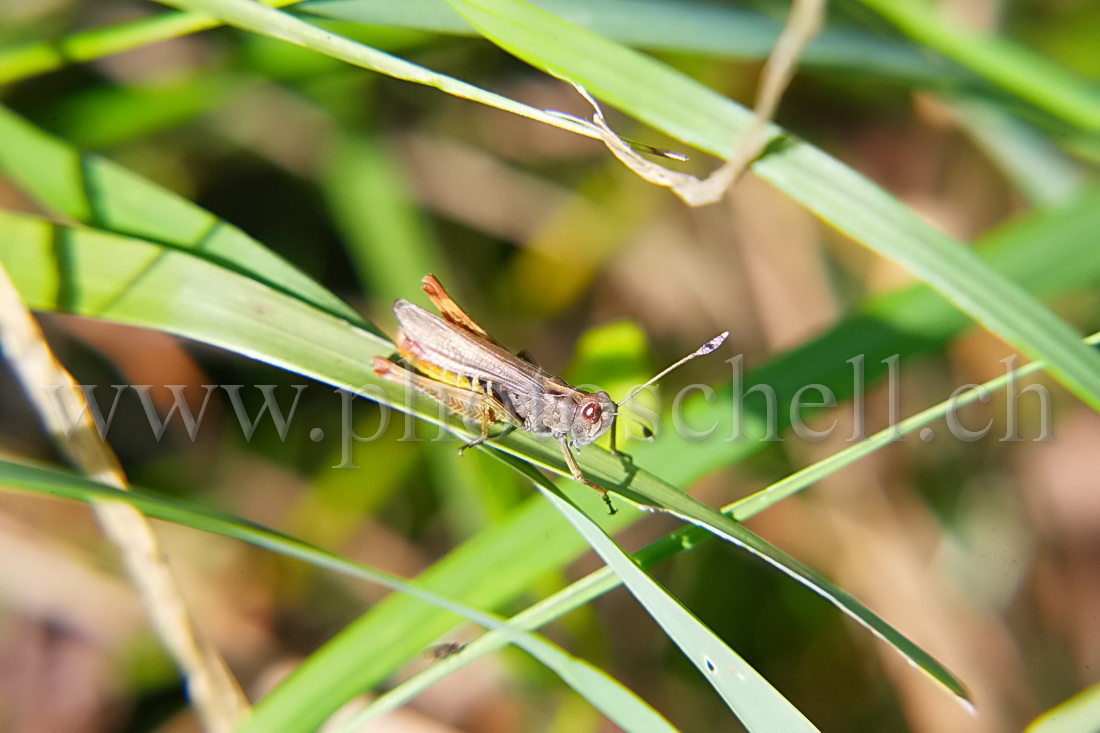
pixel 986 553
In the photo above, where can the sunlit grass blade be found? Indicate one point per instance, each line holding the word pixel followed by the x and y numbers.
pixel 1076 715
pixel 680 106
pixel 695 28
pixel 672 25
pixel 757 704
pixel 276 24
pixel 141 283
pixel 91 189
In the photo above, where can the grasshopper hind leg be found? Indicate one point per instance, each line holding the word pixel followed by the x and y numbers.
pixel 475 404
pixel 486 413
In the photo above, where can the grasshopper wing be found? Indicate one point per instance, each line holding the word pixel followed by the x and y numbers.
pixel 430 340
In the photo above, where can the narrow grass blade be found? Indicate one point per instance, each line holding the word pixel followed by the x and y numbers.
pixel 751 698
pixel 670 25
pixel 680 106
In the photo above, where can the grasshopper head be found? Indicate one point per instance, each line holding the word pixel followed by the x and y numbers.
pixel 592 417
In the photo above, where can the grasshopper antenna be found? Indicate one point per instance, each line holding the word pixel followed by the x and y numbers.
pixel 703 350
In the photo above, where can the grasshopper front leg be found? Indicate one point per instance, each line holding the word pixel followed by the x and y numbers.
pixel 575 470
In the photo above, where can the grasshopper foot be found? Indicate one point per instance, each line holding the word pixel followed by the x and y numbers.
pixel 611 510
pixel 472 444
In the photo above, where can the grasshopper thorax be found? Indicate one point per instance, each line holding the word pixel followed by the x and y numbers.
pixel 592 416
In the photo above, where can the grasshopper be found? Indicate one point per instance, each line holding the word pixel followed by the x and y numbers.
pixel 470 373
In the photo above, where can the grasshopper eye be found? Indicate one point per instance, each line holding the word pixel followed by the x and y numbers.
pixel 591 413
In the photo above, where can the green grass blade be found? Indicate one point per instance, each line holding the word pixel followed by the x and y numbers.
pixel 141 283
pixel 275 24
pixel 757 704
pixel 618 703
pixel 1010 66
pixel 678 105
pixel 93 190
pixel 690 27
pixel 1076 715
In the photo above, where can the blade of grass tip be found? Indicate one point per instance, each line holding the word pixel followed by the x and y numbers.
pixel 803 23
pixel 757 704
pixel 691 510
pixel 217 697
pixel 273 23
